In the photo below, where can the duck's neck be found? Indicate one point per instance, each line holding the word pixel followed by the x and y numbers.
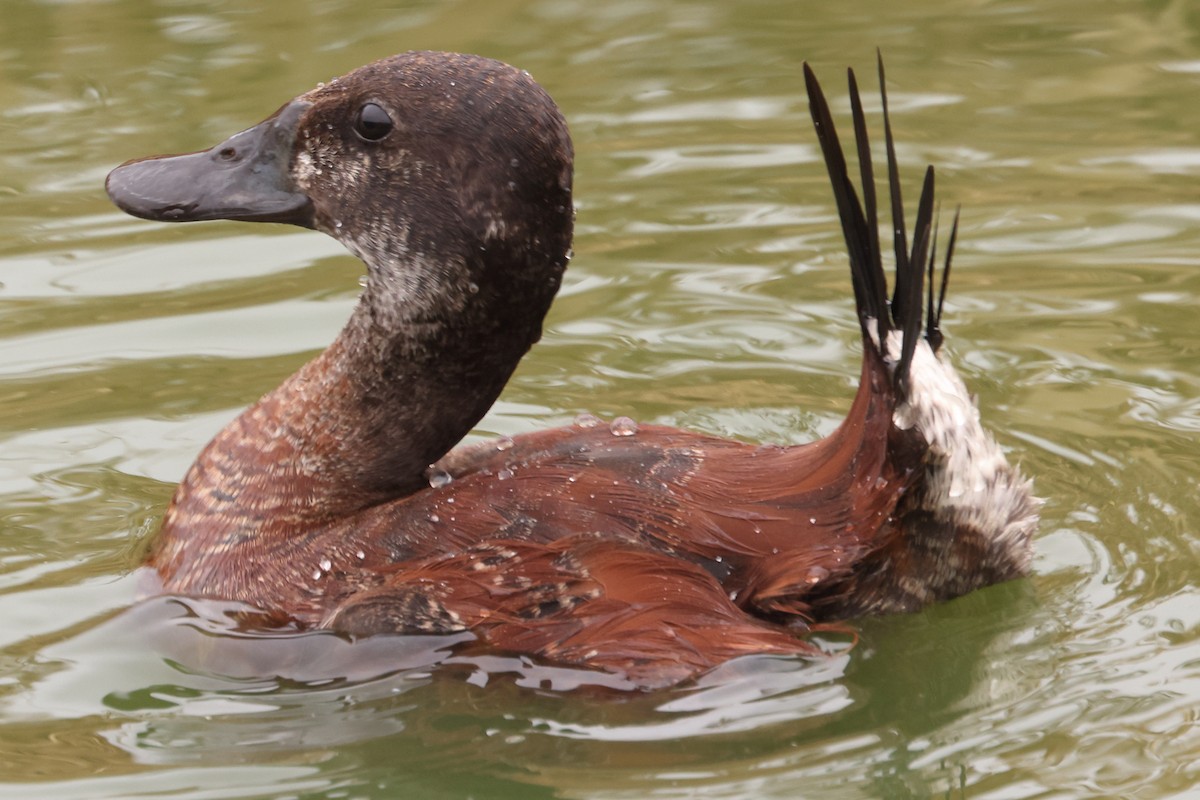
pixel 424 355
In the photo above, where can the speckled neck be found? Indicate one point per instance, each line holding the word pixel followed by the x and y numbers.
pixel 463 216
pixel 406 379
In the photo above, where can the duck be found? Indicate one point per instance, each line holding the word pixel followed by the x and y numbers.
pixel 344 501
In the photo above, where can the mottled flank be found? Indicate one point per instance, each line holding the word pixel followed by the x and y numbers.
pixel 336 500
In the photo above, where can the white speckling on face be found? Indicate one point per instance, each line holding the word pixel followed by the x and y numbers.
pixel 304 169
pixel 496 228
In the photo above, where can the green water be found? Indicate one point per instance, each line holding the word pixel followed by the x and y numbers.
pixel 709 290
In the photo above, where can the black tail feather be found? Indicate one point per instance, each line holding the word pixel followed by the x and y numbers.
pixel 933 326
pixel 870 287
pixel 899 226
pixel 909 276
pixel 867 172
pixel 861 229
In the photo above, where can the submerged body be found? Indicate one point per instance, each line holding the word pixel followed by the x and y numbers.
pixel 337 502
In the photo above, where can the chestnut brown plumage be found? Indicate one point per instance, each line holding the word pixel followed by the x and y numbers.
pixel 655 553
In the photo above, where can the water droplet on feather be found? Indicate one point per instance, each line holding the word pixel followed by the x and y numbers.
pixel 623 426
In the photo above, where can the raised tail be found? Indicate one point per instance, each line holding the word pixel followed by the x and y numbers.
pixel 860 225
pixel 967 518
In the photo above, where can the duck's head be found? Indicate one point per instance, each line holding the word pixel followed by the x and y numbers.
pixel 448 174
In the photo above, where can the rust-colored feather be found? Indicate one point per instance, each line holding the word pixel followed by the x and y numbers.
pixel 647 551
pixel 587 600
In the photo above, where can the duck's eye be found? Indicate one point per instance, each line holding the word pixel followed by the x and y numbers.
pixel 373 123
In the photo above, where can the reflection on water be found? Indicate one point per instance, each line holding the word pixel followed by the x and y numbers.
pixel 709 291
pixel 191 689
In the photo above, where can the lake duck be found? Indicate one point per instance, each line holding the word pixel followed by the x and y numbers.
pixel 339 501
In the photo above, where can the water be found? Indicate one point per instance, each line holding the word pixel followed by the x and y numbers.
pixel 709 290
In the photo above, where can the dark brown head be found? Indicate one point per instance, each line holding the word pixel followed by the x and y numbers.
pixel 450 175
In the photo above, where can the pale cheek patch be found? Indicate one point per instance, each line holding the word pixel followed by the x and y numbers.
pixel 304 169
